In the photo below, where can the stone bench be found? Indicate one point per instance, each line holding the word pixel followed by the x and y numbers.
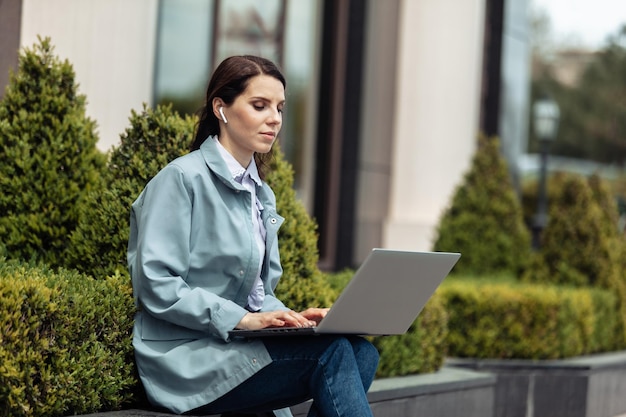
pixel 448 392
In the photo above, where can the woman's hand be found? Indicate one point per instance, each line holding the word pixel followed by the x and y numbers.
pixel 281 318
pixel 315 314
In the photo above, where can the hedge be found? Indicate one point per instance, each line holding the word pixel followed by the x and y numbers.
pixel 422 349
pixel 65 343
pixel 526 321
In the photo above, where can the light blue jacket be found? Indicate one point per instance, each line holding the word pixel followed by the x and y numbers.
pixel 193 258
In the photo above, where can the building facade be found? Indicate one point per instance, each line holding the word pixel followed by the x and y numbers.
pixel 385 98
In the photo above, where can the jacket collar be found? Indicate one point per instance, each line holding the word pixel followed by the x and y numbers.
pixel 236 170
pixel 215 162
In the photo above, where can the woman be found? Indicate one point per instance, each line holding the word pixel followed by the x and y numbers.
pixel 203 256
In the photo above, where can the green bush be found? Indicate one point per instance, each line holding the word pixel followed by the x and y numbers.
pixel 49 157
pixel 302 284
pixel 526 321
pixel 575 248
pixel 65 345
pixel 607 202
pixel 154 138
pixel 422 349
pixel 581 244
pixel 485 220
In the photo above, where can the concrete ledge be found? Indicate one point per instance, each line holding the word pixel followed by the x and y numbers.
pixel 450 391
pixel 585 386
pixel 443 393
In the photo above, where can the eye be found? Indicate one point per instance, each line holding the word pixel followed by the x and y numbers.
pixel 258 106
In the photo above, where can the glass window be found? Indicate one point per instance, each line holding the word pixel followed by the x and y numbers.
pixel 250 27
pixel 195 35
pixel 183 53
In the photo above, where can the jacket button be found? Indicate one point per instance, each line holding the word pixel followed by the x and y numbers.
pixel 254 361
pixel 241 272
pixel 273 221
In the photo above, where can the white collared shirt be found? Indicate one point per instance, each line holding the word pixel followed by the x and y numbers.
pixel 248 177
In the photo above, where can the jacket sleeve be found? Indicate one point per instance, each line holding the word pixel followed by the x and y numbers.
pixel 162 224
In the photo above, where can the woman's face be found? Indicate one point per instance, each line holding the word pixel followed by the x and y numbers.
pixel 254 118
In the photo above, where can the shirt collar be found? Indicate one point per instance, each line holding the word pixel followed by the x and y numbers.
pixel 237 171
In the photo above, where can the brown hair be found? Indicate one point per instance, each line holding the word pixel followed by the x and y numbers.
pixel 228 81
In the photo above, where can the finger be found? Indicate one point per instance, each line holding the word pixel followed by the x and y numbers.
pixel 278 322
pixel 315 313
pixel 298 320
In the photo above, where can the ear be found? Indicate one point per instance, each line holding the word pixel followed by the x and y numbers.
pixel 216 105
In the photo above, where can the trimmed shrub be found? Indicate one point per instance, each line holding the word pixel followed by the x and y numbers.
pixel 422 349
pixel 154 138
pixel 49 157
pixel 617 243
pixel 65 342
pixel 524 321
pixel 99 242
pixel 581 244
pixel 485 221
pixel 302 284
pixel 574 246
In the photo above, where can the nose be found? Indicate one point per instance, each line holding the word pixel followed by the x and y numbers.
pixel 276 117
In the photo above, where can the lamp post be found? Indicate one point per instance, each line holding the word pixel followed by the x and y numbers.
pixel 546 122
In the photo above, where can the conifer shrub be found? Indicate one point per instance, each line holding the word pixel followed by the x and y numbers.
pixel 98 244
pixel 65 345
pixel 604 195
pixel 485 220
pixel 154 138
pixel 575 248
pixel 581 244
pixel 49 156
pixel 302 284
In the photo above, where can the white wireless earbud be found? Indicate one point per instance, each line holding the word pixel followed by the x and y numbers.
pixel 222 113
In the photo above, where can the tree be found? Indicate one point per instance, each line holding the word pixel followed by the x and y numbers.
pixel 603 100
pixel 485 220
pixel 593 111
pixel 49 156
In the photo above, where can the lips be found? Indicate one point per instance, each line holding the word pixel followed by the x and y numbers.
pixel 269 135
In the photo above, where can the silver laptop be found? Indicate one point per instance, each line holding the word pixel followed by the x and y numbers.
pixel 384 297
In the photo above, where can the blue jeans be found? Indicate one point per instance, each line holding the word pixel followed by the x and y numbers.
pixel 335 371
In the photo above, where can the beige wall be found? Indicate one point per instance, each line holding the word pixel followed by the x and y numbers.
pixel 377 125
pixel 436 114
pixel 110 43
